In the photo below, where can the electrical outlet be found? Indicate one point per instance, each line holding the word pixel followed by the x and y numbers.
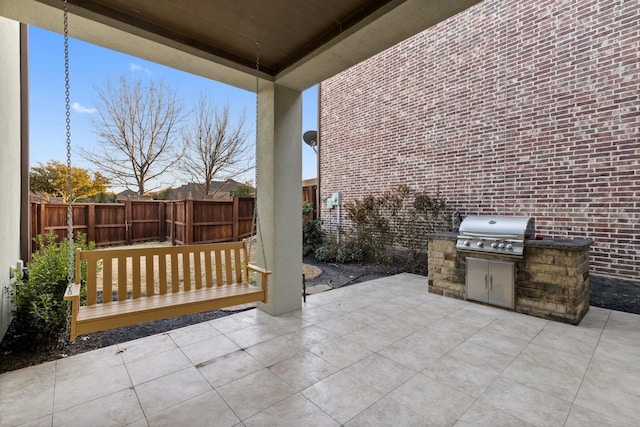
pixel 17 269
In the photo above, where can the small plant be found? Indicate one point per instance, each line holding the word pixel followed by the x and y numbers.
pixel 350 252
pixel 312 236
pixel 40 313
pixel 307 208
pixel 326 253
pixel 344 252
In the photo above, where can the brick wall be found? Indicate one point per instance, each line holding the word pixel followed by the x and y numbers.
pixel 512 107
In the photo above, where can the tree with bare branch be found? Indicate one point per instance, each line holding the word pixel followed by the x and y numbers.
pixel 138 130
pixel 214 146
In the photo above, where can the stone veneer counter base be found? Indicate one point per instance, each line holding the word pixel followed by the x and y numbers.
pixel 551 280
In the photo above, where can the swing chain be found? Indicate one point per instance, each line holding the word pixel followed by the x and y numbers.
pixel 257 112
pixel 255 224
pixel 68 141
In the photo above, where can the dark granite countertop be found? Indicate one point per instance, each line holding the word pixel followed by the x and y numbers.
pixel 443 235
pixel 550 243
pixel 571 244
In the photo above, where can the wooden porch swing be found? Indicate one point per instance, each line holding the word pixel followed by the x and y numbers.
pixel 156 282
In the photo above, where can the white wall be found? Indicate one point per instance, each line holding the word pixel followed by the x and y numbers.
pixel 9 159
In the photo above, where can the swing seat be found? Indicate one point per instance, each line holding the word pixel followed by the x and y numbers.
pixel 126 286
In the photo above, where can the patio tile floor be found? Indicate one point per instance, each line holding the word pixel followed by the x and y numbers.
pixel 383 352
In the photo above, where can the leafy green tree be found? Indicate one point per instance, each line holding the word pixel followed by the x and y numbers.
pixel 105 197
pixel 51 180
pixel 245 190
pixel 162 194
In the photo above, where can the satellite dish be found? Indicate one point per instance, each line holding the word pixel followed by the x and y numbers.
pixel 310 138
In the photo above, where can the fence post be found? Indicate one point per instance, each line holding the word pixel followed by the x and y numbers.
pixel 34 223
pixel 235 218
pixel 36 220
pixel 43 219
pixel 188 237
pixel 172 224
pixel 127 221
pixel 316 205
pixel 162 226
pixel 91 223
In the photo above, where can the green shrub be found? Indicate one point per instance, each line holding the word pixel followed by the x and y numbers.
pixel 312 237
pixel 307 208
pixel 40 313
pixel 350 252
pixel 326 253
pixel 344 252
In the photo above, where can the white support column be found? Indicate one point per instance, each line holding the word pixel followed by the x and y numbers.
pixel 10 165
pixel 279 184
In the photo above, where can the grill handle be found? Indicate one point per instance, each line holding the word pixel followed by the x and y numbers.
pixel 491 236
pixel 491 282
pixel 486 286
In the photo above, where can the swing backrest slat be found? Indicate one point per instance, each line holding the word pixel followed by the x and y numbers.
pixel 131 273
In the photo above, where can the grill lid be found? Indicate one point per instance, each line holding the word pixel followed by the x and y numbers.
pixel 497 226
pixel 503 235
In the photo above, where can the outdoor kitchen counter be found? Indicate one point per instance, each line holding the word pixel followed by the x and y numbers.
pixel 551 279
pixel 447 235
pixel 549 243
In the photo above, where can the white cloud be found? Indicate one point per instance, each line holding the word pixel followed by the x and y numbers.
pixel 137 67
pixel 82 109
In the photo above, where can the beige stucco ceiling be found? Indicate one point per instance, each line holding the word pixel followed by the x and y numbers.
pixel 302 41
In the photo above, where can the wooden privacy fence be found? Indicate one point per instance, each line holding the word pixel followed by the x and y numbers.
pixel 310 195
pixel 182 222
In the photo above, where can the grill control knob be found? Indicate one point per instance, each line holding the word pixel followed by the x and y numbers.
pixel 480 244
pixel 501 246
pixel 494 245
pixel 509 246
pixel 466 243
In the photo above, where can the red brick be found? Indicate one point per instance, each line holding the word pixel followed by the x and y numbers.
pixel 521 108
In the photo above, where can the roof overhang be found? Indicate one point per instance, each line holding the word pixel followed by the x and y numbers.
pixel 301 42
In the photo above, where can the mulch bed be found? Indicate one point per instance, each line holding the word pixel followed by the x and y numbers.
pixel 614 294
pixel 608 293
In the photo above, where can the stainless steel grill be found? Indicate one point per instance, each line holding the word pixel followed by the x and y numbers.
pixel 501 235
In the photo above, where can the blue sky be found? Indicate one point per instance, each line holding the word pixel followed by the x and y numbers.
pixel 92 66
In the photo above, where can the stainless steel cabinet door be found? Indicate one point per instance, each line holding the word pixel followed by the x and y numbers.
pixel 490 281
pixel 478 279
pixel 501 283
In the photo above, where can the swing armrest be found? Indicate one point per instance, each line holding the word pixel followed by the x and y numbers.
pixel 72 293
pixel 258 269
pixel 265 278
